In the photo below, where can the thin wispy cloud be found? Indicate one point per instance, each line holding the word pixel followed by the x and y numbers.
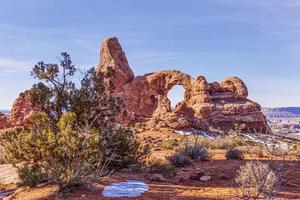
pixel 41 44
pixel 12 65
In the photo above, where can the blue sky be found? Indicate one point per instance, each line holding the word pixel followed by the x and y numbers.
pixel 257 40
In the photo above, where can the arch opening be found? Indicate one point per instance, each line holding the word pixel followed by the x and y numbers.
pixel 176 95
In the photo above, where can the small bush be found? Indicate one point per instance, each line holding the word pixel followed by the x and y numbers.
pixel 234 154
pixel 124 147
pixel 180 159
pixel 197 153
pixel 30 176
pixel 256 180
pixel 165 169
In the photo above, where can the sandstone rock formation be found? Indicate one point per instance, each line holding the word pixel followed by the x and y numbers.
pixel 3 121
pixel 205 106
pixel 21 111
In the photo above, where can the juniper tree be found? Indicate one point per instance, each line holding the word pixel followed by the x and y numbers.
pixel 53 92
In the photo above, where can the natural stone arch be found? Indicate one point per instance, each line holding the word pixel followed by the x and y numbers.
pixel 163 81
pixel 176 96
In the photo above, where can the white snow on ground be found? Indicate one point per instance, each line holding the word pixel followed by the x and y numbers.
pixel 195 131
pixel 268 140
pixel 130 188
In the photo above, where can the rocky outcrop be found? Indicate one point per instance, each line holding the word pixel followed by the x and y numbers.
pixel 3 121
pixel 205 106
pixel 113 59
pixel 21 111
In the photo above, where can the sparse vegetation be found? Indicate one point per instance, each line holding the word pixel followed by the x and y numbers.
pixel 256 180
pixel 165 169
pixel 197 153
pixel 234 154
pixel 221 142
pixel 31 176
pixel 180 159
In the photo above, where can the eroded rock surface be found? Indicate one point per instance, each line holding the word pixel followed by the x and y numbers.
pixel 21 111
pixel 3 121
pixel 205 106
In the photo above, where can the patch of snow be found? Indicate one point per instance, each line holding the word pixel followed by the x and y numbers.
pixel 269 140
pixel 195 131
pixel 130 188
pixel 183 132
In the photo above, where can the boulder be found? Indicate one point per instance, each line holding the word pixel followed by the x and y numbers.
pixel 205 178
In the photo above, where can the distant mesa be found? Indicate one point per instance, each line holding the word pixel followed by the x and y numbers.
pixel 284 112
pixel 206 106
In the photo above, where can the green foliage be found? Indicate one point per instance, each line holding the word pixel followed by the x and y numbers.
pixel 92 102
pixel 123 146
pixel 234 154
pixel 68 156
pixel 30 176
pixel 72 154
pixel 54 91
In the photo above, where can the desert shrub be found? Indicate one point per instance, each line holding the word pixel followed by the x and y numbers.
pixel 236 140
pixel 221 142
pixel 70 154
pixel 169 144
pixel 234 154
pixel 68 157
pixel 30 176
pixel 180 159
pixel 123 146
pixel 166 169
pixel 197 153
pixel 256 180
pixel 207 142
